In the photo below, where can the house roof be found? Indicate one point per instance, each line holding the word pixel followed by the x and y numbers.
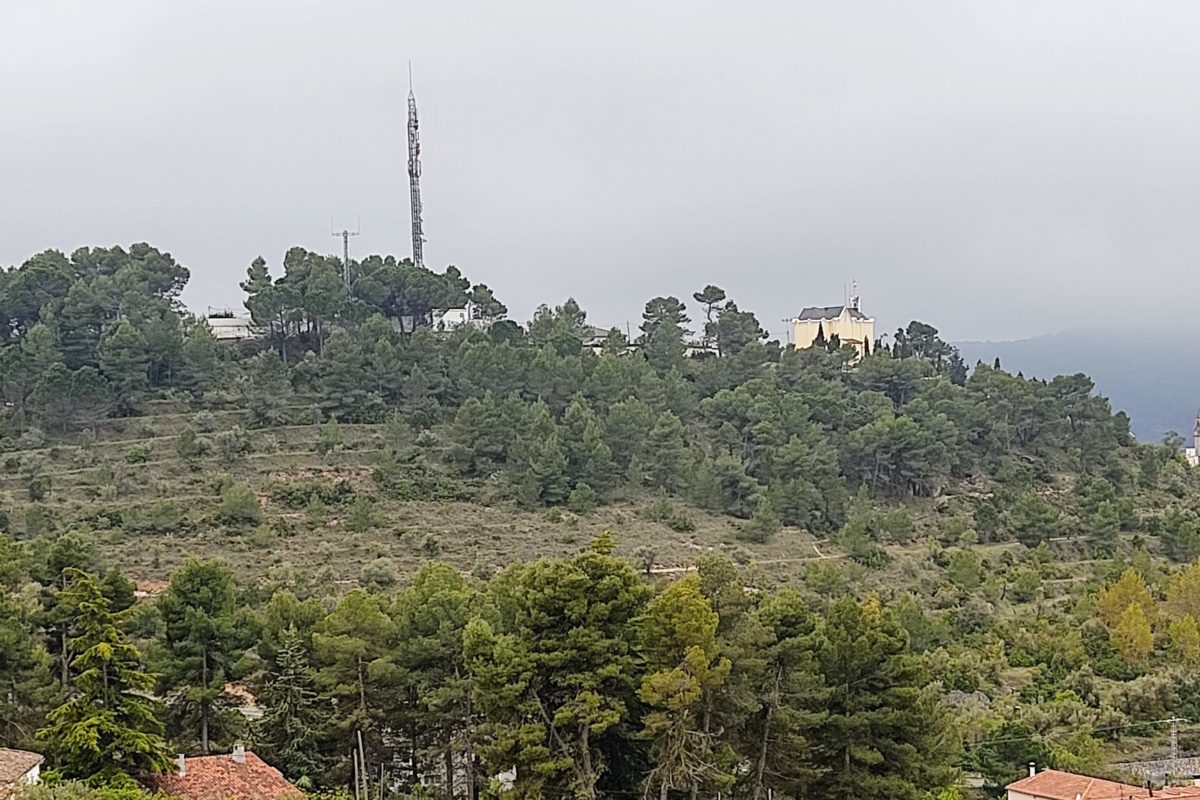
pixel 222 778
pixel 830 312
pixel 1055 785
pixel 15 764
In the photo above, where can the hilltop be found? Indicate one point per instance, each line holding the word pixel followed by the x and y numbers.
pixel 1008 535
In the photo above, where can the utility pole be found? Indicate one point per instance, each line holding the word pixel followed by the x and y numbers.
pixel 414 176
pixel 345 234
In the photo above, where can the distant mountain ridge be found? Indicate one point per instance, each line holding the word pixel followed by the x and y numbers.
pixel 1157 383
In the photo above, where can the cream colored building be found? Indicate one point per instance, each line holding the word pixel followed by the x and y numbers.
pixel 847 322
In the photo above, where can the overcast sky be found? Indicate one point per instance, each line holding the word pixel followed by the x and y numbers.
pixel 999 169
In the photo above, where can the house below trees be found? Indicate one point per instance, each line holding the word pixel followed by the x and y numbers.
pixel 1052 784
pixel 240 775
pixel 18 768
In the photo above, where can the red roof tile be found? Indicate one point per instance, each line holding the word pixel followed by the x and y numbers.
pixel 222 778
pixel 1054 785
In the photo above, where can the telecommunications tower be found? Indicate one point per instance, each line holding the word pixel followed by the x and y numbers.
pixel 414 175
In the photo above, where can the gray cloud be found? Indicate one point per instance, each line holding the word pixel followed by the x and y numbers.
pixel 998 169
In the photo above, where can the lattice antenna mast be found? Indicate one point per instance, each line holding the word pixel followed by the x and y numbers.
pixel 345 234
pixel 414 176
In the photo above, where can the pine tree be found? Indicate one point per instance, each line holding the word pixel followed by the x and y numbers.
pixel 547 482
pixel 201 636
pixel 293 712
pixel 124 362
pixel 883 737
pixel 662 460
pixel 679 632
pixel 110 724
pixel 791 700
pixel 555 670
pixel 200 362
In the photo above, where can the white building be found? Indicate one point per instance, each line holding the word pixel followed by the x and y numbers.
pixel 228 326
pixel 1192 454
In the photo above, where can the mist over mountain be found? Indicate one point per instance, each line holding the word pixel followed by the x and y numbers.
pixel 1156 382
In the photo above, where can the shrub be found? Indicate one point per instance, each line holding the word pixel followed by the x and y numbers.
pixel 231 444
pixel 660 510
pixel 644 558
pixel 136 455
pixel 37 521
pixel 296 496
pixel 762 525
pixel 331 438
pixel 362 515
pixel 239 506
pixel 205 422
pixel 431 546
pixel 681 523
pixel 380 574
pixel 583 499
pixel 188 445
pixel 38 487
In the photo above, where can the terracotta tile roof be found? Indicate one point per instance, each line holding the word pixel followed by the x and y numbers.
pixel 222 778
pixel 1054 785
pixel 14 765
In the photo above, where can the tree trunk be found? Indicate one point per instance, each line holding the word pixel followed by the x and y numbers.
pixel 760 768
pixel 65 665
pixel 448 763
pixel 588 779
pixel 469 734
pixel 204 702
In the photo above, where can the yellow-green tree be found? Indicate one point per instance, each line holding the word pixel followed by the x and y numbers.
pixel 1133 636
pixel 1184 637
pixel 679 634
pixel 1183 592
pixel 1130 589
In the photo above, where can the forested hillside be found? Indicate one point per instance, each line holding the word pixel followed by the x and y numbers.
pixel 690 563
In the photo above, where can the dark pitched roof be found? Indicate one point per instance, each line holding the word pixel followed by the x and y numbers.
pixel 828 312
pixel 1056 785
pixel 222 778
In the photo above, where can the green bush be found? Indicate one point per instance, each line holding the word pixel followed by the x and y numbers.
pixel 681 523
pixel 583 499
pixel 296 496
pixel 136 455
pixel 239 506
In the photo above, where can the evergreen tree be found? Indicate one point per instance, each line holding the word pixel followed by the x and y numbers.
pixel 124 362
pixel 662 460
pixel 202 636
pixel 110 724
pixel 679 636
pixel 883 737
pixel 546 481
pixel 791 701
pixel 555 672
pixel 294 714
pixel 431 616
pixel 200 362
